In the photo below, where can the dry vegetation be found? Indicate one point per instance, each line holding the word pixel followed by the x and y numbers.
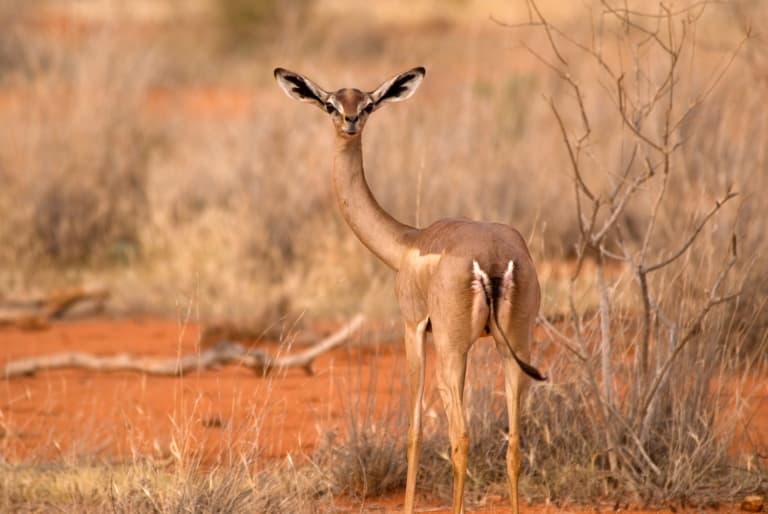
pixel 149 150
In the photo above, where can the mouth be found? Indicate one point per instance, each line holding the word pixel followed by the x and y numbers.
pixel 350 131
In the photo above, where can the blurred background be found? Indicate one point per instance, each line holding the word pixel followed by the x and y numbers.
pixel 145 147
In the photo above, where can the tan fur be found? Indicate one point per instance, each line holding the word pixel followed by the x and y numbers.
pixel 434 287
pixel 350 100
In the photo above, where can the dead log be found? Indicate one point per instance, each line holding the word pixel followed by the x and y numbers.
pixel 753 503
pixel 218 355
pixel 26 319
pixel 261 326
pixel 61 301
pixel 253 333
pixel 34 311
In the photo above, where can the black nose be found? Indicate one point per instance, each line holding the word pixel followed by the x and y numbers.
pixel 351 119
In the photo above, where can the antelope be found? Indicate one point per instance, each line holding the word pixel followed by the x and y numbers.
pixel 458 279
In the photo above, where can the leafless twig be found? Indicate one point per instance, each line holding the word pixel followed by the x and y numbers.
pixel 217 355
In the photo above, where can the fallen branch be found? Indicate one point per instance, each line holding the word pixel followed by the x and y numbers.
pixel 302 335
pixel 27 319
pixel 35 311
pixel 218 355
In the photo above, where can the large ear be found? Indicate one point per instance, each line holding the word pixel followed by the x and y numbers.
pixel 399 88
pixel 300 87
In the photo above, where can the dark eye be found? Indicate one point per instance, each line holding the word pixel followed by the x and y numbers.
pixel 329 107
pixel 368 108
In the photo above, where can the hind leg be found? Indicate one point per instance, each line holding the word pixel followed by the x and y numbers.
pixel 414 351
pixel 452 338
pixel 515 382
pixel 451 371
pixel 512 378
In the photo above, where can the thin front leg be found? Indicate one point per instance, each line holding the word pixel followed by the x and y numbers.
pixel 414 353
pixel 451 370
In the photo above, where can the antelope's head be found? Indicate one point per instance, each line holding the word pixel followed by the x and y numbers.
pixel 349 108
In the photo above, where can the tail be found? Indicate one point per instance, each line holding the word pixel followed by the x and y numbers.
pixel 507 288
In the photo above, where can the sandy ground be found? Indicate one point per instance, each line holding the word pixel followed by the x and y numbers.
pixel 216 415
pixel 117 414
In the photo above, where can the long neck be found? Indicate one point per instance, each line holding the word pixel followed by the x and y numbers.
pixel 381 233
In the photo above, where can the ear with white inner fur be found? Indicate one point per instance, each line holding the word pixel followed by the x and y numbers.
pixel 300 87
pixel 398 88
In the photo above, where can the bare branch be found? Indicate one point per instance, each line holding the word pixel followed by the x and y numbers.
pixel 622 420
pixel 606 351
pixel 217 355
pixel 694 329
pixel 618 209
pixel 643 353
pixel 654 214
pixel 627 122
pixel 519 25
pixel 718 205
pixel 544 22
pixel 688 8
pixel 715 81
pixel 571 154
pixel 627 20
pixel 564 339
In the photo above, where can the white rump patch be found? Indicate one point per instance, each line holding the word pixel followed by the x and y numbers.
pixel 508 282
pixel 480 281
pixel 481 301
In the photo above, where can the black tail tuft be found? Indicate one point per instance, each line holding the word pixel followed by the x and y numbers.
pixel 529 370
pixel 491 288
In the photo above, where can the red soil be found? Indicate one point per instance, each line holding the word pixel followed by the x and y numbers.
pixel 215 415
pixel 116 414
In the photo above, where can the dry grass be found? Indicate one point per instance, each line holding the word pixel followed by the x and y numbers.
pixel 102 184
pixel 366 457
pixel 172 202
pixel 148 487
pixel 697 454
pixel 563 461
